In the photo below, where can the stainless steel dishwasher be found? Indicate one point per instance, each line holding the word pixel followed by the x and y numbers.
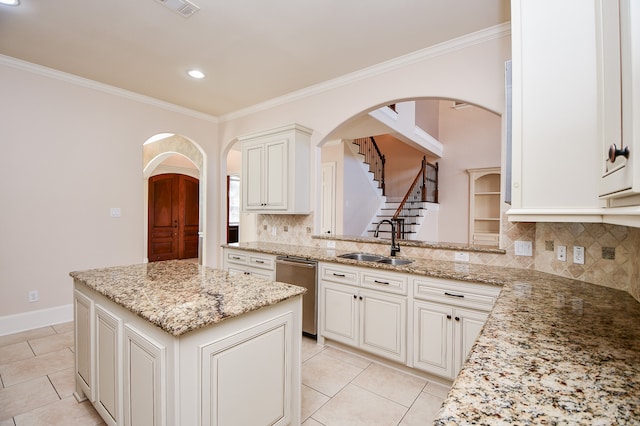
pixel 301 272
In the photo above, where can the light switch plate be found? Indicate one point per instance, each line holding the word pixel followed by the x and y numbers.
pixel 578 255
pixel 562 253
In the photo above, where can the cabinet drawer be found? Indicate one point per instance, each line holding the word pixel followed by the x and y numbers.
pixel 392 283
pixel 472 295
pixel 235 257
pixel 339 274
pixel 263 262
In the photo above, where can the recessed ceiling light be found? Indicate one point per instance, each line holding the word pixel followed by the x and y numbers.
pixel 195 74
pixel 10 2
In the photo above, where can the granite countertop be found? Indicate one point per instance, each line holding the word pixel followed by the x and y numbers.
pixel 553 351
pixel 180 296
pixel 486 274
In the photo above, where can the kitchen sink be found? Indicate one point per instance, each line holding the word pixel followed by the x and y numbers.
pixel 394 261
pixel 366 257
pixel 363 256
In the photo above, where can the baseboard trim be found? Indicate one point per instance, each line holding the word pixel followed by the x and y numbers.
pixel 10 324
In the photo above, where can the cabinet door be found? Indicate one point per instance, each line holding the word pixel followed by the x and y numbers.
pixel 468 325
pixel 276 167
pixel 246 376
pixel 108 373
pixel 253 171
pixel 144 381
pixel 339 311
pixel 433 343
pixel 83 317
pixel 383 324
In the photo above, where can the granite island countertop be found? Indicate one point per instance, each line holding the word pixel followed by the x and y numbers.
pixel 181 296
pixel 553 350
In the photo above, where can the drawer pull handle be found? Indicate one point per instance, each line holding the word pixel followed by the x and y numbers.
pixel 446 293
pixel 381 282
pixel 235 257
pixel 339 275
pixel 259 261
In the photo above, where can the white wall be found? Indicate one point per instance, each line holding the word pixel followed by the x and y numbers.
pixel 70 152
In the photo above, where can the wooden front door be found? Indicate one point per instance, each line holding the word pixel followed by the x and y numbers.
pixel 174 207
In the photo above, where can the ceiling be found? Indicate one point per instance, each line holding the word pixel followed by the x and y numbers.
pixel 251 50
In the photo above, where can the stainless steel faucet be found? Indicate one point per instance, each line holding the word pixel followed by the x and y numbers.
pixel 395 247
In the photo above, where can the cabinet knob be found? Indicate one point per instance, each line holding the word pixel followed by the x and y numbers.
pixel 614 152
pixel 360 297
pixel 448 316
pixel 355 297
pixel 457 318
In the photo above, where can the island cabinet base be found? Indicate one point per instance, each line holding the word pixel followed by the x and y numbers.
pixel 242 371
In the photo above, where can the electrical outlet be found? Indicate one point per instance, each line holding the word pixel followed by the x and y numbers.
pixel 523 248
pixel 115 211
pixel 331 244
pixel 578 255
pixel 33 296
pixel 461 256
pixel 562 253
pixel 274 231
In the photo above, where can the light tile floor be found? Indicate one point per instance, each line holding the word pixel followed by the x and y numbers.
pixel 338 388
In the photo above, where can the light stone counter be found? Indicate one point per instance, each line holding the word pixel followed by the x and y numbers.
pixel 553 351
pixel 180 296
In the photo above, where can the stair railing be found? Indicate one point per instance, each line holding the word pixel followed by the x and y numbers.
pixel 373 157
pixel 423 189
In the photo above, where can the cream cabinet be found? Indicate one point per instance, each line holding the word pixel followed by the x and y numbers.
pixel 144 379
pixel 372 318
pixel 556 143
pixel 447 318
pixel 575 95
pixel 136 374
pixel 108 363
pixel 249 263
pixel 619 64
pixel 276 174
pixel 484 206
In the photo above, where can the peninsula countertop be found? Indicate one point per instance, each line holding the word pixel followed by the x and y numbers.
pixel 553 351
pixel 181 296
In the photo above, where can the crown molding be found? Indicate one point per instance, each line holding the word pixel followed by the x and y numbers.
pixel 94 85
pixel 468 40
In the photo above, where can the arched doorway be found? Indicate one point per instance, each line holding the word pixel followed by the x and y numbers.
pixel 156 153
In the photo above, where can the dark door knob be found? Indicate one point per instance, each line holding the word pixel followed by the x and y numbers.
pixel 614 152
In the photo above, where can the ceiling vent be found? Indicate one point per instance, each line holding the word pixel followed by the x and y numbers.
pixel 181 7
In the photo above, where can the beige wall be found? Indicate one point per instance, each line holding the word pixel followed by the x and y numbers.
pixel 472 138
pixel 70 152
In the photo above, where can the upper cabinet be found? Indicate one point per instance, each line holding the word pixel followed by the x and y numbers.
pixel 619 38
pixel 564 85
pixel 276 170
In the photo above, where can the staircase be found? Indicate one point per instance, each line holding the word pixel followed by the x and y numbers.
pixel 368 149
pixel 410 218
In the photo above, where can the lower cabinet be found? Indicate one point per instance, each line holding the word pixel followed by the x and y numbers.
pixel 243 371
pixel 444 336
pixel 250 263
pixel 108 390
pixel 144 381
pixel 367 319
pixel 432 327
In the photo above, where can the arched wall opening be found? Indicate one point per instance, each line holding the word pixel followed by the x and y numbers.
pixel 158 149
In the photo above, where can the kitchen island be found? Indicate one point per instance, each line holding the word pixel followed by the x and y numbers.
pixel 176 343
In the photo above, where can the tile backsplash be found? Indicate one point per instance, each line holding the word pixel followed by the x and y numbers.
pixel 611 252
